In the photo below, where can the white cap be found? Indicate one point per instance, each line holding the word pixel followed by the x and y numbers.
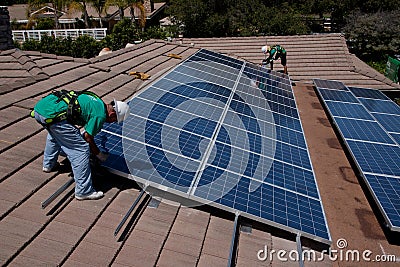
pixel 121 109
pixel 265 48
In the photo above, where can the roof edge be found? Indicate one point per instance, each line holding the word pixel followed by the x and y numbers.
pixel 364 69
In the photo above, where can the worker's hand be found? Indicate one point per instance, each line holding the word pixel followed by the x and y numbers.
pixel 102 156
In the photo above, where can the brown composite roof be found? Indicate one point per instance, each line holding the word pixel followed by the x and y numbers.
pixel 73 233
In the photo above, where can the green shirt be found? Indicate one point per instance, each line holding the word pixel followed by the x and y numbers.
pixel 93 111
pixel 276 51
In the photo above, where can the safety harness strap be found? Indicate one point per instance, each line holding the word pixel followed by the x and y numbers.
pixel 73 112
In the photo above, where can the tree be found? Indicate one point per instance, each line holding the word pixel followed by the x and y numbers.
pixel 213 18
pixel 193 14
pixel 132 4
pixel 243 17
pixel 123 32
pixel 283 20
pixel 373 36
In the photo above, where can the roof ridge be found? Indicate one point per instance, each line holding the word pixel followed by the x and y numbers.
pixel 356 65
pixel 26 63
pixel 29 64
pixel 346 52
pixel 120 51
pixel 370 72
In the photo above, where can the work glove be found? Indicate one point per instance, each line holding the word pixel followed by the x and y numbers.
pixel 102 156
pixel 266 61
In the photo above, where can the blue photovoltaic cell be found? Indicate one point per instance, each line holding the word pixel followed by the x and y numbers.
pixel 396 137
pixel 381 106
pixel 110 141
pixel 278 205
pixel 387 192
pixel 327 84
pixel 206 55
pixel 371 131
pixel 288 122
pixel 270 91
pixel 391 123
pixel 222 132
pixel 338 95
pixel 376 158
pixel 290 136
pixel 347 110
pixel 386 113
pixel 363 130
pixel 368 93
pixel 299 156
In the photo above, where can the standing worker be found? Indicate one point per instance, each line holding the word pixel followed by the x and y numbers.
pixel 275 52
pixel 59 112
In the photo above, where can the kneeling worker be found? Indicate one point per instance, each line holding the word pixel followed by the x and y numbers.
pixel 59 112
pixel 275 52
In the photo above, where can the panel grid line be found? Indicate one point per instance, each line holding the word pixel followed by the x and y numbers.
pixel 195 183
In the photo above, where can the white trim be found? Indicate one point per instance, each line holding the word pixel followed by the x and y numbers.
pixel 22 36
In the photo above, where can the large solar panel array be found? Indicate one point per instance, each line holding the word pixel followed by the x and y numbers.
pixel 369 123
pixel 382 108
pixel 223 132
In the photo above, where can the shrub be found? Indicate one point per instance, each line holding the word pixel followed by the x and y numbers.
pixel 85 47
pixel 45 24
pixel 123 32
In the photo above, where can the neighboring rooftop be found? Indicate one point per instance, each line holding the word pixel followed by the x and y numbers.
pixel 73 233
pixel 18 13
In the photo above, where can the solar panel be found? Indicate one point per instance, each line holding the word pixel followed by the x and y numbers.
pixel 347 110
pixel 368 93
pixel 363 130
pixel 390 122
pixel 328 84
pixel 369 123
pixel 389 189
pixel 376 158
pixel 380 106
pixel 338 95
pixel 223 132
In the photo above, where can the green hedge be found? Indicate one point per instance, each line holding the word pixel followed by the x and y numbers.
pixel 87 47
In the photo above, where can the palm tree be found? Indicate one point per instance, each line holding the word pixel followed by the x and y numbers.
pixel 100 6
pixel 142 16
pixel 121 4
pixel 81 6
